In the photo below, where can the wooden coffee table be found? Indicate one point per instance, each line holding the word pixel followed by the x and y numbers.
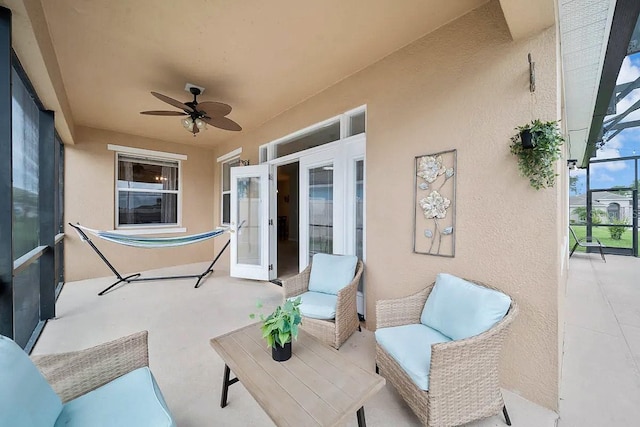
pixel 318 386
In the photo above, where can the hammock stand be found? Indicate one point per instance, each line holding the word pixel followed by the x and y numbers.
pixel 131 241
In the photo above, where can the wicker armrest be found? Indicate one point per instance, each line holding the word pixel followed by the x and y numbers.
pixel 350 292
pixel 401 311
pixel 76 373
pixel 347 305
pixel 346 296
pixel 467 363
pixel 297 284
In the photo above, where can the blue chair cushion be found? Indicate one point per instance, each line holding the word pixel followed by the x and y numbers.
pixel 318 305
pixel 460 309
pixel 410 346
pixel 134 399
pixel 330 273
pixel 26 399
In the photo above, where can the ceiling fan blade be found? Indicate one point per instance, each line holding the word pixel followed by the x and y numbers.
pixel 163 113
pixel 172 101
pixel 214 109
pixel 222 123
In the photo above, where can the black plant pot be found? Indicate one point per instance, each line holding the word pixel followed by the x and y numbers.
pixel 280 354
pixel 527 139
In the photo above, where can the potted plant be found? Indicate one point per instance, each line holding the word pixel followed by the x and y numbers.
pixel 537 145
pixel 526 137
pixel 280 328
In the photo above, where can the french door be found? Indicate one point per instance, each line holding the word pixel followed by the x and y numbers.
pixel 332 204
pixel 251 223
pixel 332 201
pixel 331 209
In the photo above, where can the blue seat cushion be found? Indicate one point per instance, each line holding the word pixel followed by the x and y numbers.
pixel 461 309
pixel 26 399
pixel 410 346
pixel 134 399
pixel 318 305
pixel 330 273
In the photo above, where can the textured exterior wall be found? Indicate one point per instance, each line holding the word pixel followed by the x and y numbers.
pixel 464 86
pixel 89 200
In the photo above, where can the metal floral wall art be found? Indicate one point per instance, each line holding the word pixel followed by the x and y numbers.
pixel 434 204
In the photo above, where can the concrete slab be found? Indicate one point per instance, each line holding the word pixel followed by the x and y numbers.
pixel 600 384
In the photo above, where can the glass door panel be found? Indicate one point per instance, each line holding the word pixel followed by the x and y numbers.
pixel 320 204
pixel 249 220
pixel 359 208
pixel 322 184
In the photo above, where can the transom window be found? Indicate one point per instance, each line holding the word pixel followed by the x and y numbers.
pixel 345 125
pixel 148 191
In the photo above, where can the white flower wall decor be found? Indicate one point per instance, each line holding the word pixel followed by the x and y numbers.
pixel 434 208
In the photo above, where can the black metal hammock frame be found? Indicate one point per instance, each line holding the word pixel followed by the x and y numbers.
pixel 136 277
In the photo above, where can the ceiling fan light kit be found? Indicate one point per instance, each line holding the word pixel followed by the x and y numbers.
pixel 188 124
pixel 199 114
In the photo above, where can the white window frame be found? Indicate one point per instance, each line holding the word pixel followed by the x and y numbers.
pixel 345 132
pixel 143 154
pixel 230 157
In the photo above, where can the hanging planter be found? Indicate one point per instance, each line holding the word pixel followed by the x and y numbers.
pixel 527 138
pixel 537 146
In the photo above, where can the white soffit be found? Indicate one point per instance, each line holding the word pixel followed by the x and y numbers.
pixel 584 32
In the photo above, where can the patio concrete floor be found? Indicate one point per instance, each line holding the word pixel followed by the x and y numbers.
pixel 600 380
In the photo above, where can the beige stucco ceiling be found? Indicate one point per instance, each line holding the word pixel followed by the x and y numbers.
pixel 261 57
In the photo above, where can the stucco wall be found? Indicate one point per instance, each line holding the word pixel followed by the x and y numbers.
pixel 89 200
pixel 466 87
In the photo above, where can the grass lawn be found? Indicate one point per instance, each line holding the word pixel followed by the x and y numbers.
pixel 602 234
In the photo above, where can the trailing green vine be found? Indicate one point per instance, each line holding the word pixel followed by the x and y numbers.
pixel 538 163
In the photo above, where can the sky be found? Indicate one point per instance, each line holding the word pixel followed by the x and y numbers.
pixel 626 143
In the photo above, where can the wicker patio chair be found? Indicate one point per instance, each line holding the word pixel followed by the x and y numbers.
pixel 463 377
pixel 332 332
pixel 76 373
pixel 109 384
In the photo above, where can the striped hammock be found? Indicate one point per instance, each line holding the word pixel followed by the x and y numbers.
pixel 152 242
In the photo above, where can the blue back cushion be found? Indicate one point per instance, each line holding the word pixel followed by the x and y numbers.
pixel 330 273
pixel 26 399
pixel 460 309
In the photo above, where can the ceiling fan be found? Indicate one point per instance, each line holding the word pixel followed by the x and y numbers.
pixel 198 114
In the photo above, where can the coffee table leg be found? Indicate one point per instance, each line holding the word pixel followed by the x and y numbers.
pixel 360 415
pixel 226 382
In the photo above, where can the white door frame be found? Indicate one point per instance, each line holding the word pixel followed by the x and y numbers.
pixel 261 270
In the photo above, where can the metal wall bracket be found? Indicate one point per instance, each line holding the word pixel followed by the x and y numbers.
pixel 532 75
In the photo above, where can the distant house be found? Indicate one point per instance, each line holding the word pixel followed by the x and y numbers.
pixel 613 205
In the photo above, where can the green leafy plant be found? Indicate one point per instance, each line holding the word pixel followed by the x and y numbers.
pixel 538 163
pixel 616 231
pixel 281 326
